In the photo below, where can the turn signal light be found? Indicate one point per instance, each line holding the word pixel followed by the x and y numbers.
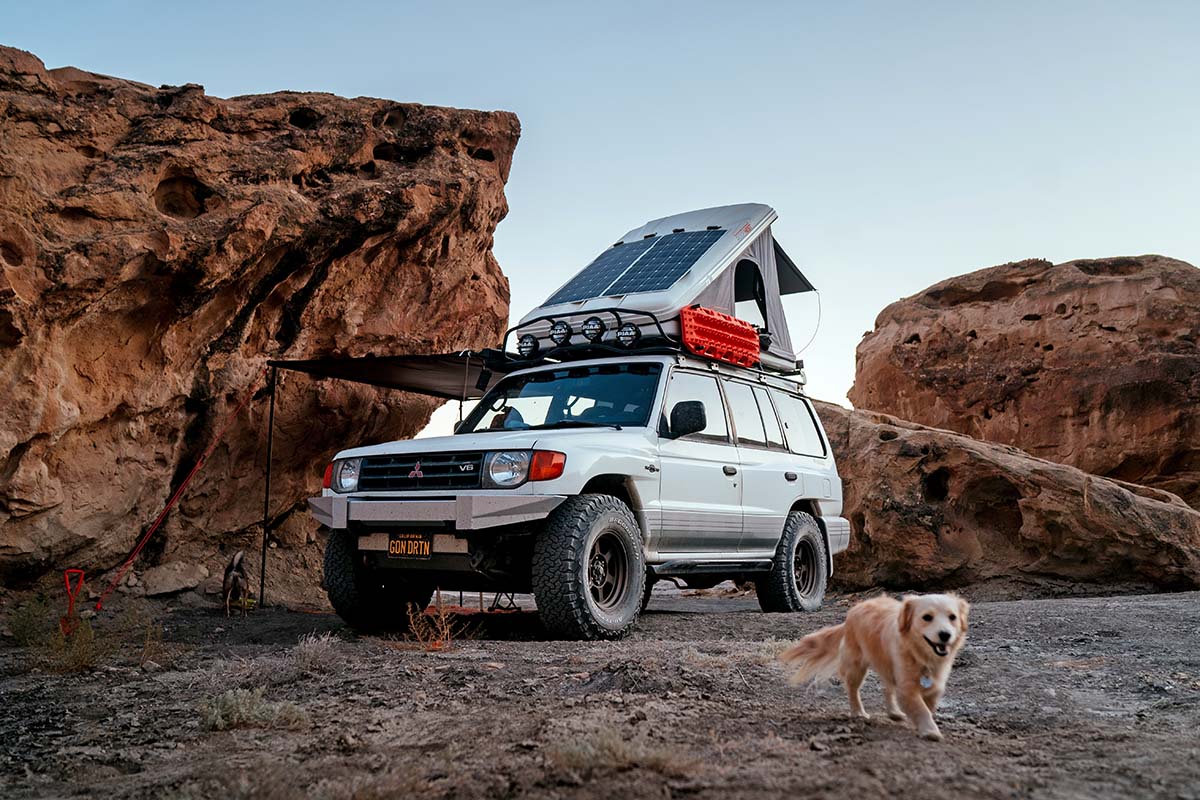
pixel 327 483
pixel 547 465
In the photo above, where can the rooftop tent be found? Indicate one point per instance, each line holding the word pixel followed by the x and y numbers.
pixel 724 258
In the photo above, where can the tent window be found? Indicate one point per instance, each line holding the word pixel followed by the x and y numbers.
pixel 750 294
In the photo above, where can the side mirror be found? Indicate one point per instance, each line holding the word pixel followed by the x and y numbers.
pixel 688 416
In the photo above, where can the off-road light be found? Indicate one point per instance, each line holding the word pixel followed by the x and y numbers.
pixel 527 345
pixel 560 332
pixel 593 329
pixel 345 474
pixel 628 334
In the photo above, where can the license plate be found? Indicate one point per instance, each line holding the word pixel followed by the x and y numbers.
pixel 410 545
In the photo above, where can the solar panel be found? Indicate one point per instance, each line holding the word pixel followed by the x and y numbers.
pixel 647 265
pixel 597 276
pixel 666 262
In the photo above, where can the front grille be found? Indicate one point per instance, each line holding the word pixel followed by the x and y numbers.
pixel 428 471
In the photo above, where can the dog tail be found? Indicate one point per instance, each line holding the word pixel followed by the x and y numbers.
pixel 816 656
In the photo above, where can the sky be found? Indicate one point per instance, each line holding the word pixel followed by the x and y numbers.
pixel 901 144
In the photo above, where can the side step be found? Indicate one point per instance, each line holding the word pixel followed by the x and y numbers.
pixel 684 568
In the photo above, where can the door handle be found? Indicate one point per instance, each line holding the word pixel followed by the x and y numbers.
pixel 790 476
pixel 728 470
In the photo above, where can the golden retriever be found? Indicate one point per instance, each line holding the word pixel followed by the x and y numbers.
pixel 909 643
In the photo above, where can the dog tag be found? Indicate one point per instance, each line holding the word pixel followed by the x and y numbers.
pixel 926 682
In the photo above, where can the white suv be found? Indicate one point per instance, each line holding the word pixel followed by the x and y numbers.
pixel 585 481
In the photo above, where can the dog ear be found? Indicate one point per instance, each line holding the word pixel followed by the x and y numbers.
pixel 963 610
pixel 906 615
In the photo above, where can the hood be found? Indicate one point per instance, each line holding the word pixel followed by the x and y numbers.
pixel 497 440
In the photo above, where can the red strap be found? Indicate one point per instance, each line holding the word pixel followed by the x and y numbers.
pixel 179 492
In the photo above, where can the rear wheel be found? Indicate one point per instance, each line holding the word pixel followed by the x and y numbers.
pixel 800 571
pixel 368 599
pixel 589 573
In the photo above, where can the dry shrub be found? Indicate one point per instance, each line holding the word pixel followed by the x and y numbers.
pixel 436 630
pixel 81 649
pixel 32 624
pixel 248 708
pixel 606 749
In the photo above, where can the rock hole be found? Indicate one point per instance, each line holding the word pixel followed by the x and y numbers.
pixel 1047 347
pixel 1061 308
pixel 182 197
pixel 87 151
pixel 887 435
pixel 446 246
pixel 482 154
pixel 11 254
pixel 304 118
pixel 1108 328
pixel 987 413
pixel 10 334
pixel 394 119
pixel 935 487
pixel 386 151
pixel 1031 317
pixel 972 335
pixel 367 170
pixel 913 339
pixel 993 504
pixel 474 276
pixel 1111 266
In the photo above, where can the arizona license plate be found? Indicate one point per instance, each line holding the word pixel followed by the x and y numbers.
pixel 410 545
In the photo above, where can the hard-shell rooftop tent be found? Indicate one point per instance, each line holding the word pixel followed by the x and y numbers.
pixel 723 258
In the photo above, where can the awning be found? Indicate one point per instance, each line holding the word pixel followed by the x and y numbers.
pixel 453 376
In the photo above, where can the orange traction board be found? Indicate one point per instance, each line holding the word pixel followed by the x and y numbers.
pixel 718 336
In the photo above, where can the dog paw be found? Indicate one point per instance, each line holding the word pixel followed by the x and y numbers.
pixel 934 735
pixel 896 715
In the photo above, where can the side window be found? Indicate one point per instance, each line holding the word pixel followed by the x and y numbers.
pixel 774 432
pixel 746 419
pixel 690 386
pixel 802 434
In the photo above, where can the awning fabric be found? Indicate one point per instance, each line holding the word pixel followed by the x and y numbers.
pixel 453 376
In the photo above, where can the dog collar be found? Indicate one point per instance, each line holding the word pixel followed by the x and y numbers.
pixel 926 682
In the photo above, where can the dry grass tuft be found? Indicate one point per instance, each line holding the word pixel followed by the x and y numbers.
pixel 317 654
pixel 32 623
pixel 606 749
pixel 248 708
pixel 79 650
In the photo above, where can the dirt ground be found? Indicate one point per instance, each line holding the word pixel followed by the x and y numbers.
pixel 1053 698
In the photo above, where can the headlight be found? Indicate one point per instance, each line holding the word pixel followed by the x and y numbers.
pixel 345 474
pixel 506 469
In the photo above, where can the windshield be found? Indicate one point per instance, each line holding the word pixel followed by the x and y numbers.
pixel 602 395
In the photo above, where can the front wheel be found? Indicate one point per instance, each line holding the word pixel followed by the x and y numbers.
pixel 589 572
pixel 800 571
pixel 368 599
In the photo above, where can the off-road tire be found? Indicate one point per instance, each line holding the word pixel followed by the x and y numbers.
pixel 563 555
pixel 367 599
pixel 779 590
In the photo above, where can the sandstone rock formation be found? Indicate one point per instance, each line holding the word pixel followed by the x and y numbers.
pixel 932 509
pixel 158 245
pixel 1095 364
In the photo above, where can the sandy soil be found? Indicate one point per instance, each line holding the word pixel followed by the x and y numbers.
pixel 1063 698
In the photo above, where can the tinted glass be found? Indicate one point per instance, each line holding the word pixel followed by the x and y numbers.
pixel 774 432
pixel 746 419
pixel 690 386
pixel 574 397
pixel 798 425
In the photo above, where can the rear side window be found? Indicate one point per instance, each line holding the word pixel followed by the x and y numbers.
pixel 746 420
pixel 799 425
pixel 690 386
pixel 774 432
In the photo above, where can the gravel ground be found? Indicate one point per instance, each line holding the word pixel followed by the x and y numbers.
pixel 1051 698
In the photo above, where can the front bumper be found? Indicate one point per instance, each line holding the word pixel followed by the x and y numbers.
pixel 466 513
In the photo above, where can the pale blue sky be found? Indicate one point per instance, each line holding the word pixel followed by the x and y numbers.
pixel 900 143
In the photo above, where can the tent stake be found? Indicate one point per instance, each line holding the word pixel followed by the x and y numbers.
pixel 262 569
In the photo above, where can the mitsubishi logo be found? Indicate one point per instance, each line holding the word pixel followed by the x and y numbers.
pixel 416 471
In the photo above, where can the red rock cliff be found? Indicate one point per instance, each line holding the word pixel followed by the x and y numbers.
pixel 158 245
pixel 1095 364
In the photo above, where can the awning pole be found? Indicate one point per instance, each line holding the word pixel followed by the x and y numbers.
pixel 262 569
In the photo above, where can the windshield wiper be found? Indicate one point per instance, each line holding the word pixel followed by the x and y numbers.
pixel 574 423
